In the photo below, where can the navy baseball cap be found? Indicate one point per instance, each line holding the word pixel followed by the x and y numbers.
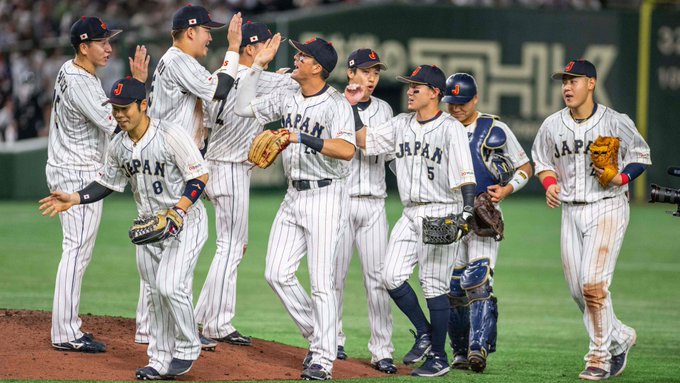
pixel 126 91
pixel 364 58
pixel 460 89
pixel 577 68
pixel 322 51
pixel 428 75
pixel 90 29
pixel 253 33
pixel 193 16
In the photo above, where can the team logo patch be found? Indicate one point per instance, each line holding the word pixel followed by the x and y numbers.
pixel 372 55
pixel 192 21
pixel 313 39
pixel 415 72
pixel 253 39
pixel 225 63
pixel 118 89
pixel 83 36
pixel 194 167
pixel 465 173
pixel 103 25
pixel 569 66
pixel 351 62
pixel 456 90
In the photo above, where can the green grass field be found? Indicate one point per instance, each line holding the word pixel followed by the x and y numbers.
pixel 541 333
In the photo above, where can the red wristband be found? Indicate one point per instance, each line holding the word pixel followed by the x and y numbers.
pixel 624 179
pixel 549 181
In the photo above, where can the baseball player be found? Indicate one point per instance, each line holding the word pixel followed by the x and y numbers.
pixel 313 211
pixel 180 85
pixel 80 129
pixel 436 178
pixel 166 171
pixel 501 168
pixel 594 218
pixel 368 226
pixel 229 190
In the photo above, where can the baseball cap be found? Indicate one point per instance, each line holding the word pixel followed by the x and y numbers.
pixel 428 75
pixel 322 51
pixel 577 68
pixel 460 89
pixel 90 29
pixel 253 33
pixel 126 91
pixel 364 58
pixel 193 16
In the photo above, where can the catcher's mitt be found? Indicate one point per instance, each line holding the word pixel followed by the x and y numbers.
pixel 165 224
pixel 267 145
pixel 487 220
pixel 445 230
pixel 604 153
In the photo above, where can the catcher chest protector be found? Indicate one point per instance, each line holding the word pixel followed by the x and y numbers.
pixel 483 305
pixel 486 147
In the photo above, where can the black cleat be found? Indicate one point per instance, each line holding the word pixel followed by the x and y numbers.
pixel 435 365
pixel 179 367
pixel 85 343
pixel 593 373
pixel 207 344
pixel 237 339
pixel 147 373
pixel 315 372
pixel 342 355
pixel 419 350
pixel 385 365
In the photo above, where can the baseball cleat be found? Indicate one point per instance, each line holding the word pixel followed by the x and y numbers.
pixel 147 373
pixel 85 343
pixel 207 344
pixel 179 367
pixel 618 362
pixel 237 339
pixel 460 362
pixel 315 372
pixel 477 360
pixel 594 373
pixel 419 350
pixel 342 355
pixel 307 361
pixel 435 365
pixel 385 365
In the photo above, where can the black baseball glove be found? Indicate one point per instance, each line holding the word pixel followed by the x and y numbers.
pixel 163 225
pixel 446 230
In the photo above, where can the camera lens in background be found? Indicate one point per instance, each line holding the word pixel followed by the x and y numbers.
pixel 664 194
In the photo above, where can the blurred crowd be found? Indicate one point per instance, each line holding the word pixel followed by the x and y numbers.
pixel 34 41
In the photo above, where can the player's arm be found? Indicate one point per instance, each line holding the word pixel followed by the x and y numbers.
pixel 247 89
pixel 60 201
pixel 543 163
pixel 226 74
pixel 548 179
pixel 634 150
pixel 331 147
pixel 518 181
pixel 192 192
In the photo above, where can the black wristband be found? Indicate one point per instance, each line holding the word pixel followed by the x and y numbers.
pixel 311 141
pixel 468 192
pixel 358 124
pixel 224 85
pixel 93 193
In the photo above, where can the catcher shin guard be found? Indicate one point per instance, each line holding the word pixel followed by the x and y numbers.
pixel 459 319
pixel 483 309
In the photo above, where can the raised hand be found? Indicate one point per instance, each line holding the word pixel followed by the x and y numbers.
pixel 354 93
pixel 139 65
pixel 266 55
pixel 234 32
pixel 57 202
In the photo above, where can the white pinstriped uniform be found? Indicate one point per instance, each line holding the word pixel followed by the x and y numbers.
pixel 431 159
pixel 178 82
pixel 474 247
pixel 594 219
pixel 80 128
pixel 368 229
pixel 309 221
pixel 157 168
pixel 229 191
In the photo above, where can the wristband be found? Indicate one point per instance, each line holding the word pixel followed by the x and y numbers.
pixel 519 180
pixel 194 189
pixel 311 141
pixel 549 181
pixel 624 179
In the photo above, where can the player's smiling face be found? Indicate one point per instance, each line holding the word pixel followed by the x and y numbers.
pixel 366 77
pixel 304 66
pixel 419 96
pixel 576 90
pixel 98 52
pixel 129 116
pixel 202 38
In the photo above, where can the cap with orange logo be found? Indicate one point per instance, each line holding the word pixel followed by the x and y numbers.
pixel 364 58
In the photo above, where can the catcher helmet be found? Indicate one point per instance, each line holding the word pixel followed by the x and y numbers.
pixel 460 89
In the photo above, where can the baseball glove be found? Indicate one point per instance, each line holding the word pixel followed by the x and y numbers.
pixel 487 220
pixel 445 230
pixel 267 145
pixel 163 225
pixel 604 153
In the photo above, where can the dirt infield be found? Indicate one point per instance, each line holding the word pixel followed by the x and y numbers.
pixel 26 353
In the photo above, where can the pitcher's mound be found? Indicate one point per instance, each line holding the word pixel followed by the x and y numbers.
pixel 26 353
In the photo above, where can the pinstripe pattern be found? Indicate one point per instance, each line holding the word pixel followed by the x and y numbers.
pixel 178 82
pixel 432 161
pixel 593 230
pixel 80 128
pixel 309 222
pixel 368 230
pixel 157 168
